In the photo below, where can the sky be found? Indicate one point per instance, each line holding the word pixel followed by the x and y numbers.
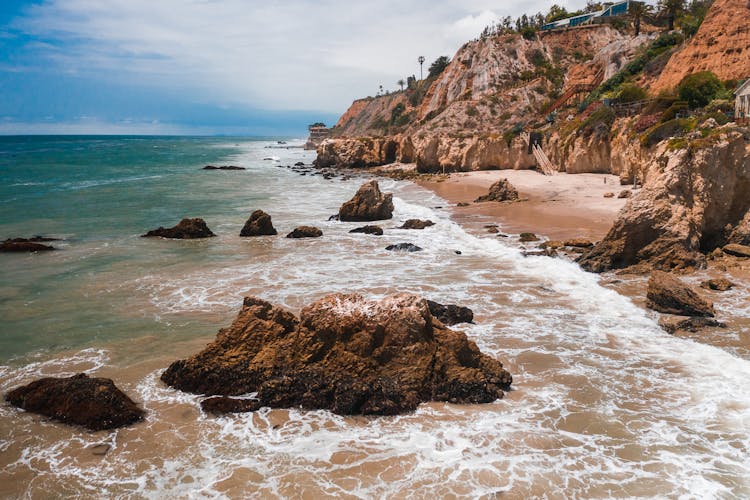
pixel 208 67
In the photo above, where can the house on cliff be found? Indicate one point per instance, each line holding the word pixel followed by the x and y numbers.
pixel 742 102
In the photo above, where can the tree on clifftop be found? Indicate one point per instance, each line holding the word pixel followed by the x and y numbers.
pixel 438 66
pixel 671 8
pixel 637 11
pixel 401 84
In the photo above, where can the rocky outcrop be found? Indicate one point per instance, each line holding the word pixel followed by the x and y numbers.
pixel 450 314
pixel 737 250
pixel 187 229
pixel 259 224
pixel 416 224
pixel 722 46
pixel 223 167
pixel 361 152
pixel 221 405
pixel 675 324
pixel 502 190
pixel 691 200
pixel 403 247
pixel 669 295
pixel 26 245
pixel 305 232
pixel 344 353
pixel 94 403
pixel 374 230
pixel 369 204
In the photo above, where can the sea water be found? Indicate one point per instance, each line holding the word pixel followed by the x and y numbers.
pixel 605 404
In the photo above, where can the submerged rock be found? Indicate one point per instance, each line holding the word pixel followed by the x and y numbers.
pixel 19 245
pixel 220 405
pixel 94 403
pixel 579 243
pixel 416 224
pixel 674 324
pixel 668 294
pixel 344 353
pixel 223 167
pixel 450 314
pixel 187 229
pixel 305 232
pixel 369 204
pixel 526 237
pixel 403 247
pixel 259 224
pixel 719 285
pixel 374 230
pixel 502 190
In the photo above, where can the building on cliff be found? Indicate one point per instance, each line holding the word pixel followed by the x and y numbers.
pixel 318 133
pixel 611 10
pixel 742 102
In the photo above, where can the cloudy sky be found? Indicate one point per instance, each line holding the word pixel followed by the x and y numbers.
pixel 217 66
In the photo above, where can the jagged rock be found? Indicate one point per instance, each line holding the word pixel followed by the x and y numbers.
pixel 416 224
pixel 526 237
pixel 720 284
pixel 609 194
pixel 450 314
pixel 369 204
pixel 673 324
pixel 345 354
pixel 668 294
pixel 375 230
pixel 462 204
pixel 223 167
pixel 737 250
pixel 579 243
pixel 305 232
pixel 552 244
pixel 493 230
pixel 403 247
pixel 502 190
pixel 94 403
pixel 259 224
pixel 625 193
pixel 220 405
pixel 18 245
pixel 187 229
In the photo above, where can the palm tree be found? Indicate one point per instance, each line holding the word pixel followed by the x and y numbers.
pixel 671 8
pixel 638 10
pixel 401 84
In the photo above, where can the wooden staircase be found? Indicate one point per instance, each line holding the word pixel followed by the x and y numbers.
pixel 542 161
pixel 580 88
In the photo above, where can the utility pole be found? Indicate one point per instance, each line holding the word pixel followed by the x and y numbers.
pixel 421 62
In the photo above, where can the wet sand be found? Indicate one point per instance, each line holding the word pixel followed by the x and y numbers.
pixel 560 207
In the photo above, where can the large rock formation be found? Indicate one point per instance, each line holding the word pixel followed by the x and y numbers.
pixel 722 46
pixel 692 199
pixel 305 232
pixel 187 229
pixel 369 204
pixel 669 295
pixel 259 224
pixel 94 403
pixel 502 190
pixel 345 354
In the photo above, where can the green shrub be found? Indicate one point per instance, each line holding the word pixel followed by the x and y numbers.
pixel 699 89
pixel 600 120
pixel 536 57
pixel 438 66
pixel 720 105
pixel 630 92
pixel 721 118
pixel 671 112
pixel 472 111
pixel 529 32
pixel 397 111
pixel 672 128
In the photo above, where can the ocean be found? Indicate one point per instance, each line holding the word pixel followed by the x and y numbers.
pixel 605 404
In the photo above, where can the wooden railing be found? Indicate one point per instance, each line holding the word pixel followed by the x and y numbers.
pixel 581 88
pixel 542 161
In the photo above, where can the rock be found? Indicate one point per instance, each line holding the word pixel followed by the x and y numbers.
pixel 223 167
pixel 220 405
pixel 502 190
pixel 458 252
pixel 579 243
pixel 305 232
pixel 668 294
pixel 375 230
pixel 462 204
pixel 552 244
pixel 709 123
pixel 526 237
pixel 345 354
pixel 18 245
pixel 609 194
pixel 187 229
pixel 493 230
pixel 369 204
pixel 625 193
pixel 99 449
pixel 299 164
pixel 673 324
pixel 333 217
pixel 450 314
pixel 403 247
pixel 720 285
pixel 259 224
pixel 737 250
pixel 416 224
pixel 94 403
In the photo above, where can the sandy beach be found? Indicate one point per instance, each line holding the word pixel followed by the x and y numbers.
pixel 558 207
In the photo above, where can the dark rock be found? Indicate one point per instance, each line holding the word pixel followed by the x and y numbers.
pixel 579 243
pixel 737 250
pixel 18 245
pixel 333 217
pixel 376 230
pixel 305 232
pixel 668 294
pixel 99 449
pixel 719 285
pixel 462 204
pixel 458 252
pixel 223 167
pixel 609 195
pixel 299 164
pixel 220 405
pixel 493 230
pixel 502 190
pixel 94 403
pixel 416 224
pixel 259 224
pixel 187 229
pixel 450 314
pixel 369 204
pixel 345 354
pixel 673 324
pixel 625 193
pixel 526 237
pixel 403 247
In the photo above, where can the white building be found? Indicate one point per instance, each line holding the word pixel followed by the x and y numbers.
pixel 742 102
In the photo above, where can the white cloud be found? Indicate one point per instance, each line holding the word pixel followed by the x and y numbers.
pixel 294 54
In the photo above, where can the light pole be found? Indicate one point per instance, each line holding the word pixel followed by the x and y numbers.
pixel 421 62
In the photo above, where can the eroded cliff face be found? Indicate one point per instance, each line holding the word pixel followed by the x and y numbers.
pixel 695 199
pixel 722 46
